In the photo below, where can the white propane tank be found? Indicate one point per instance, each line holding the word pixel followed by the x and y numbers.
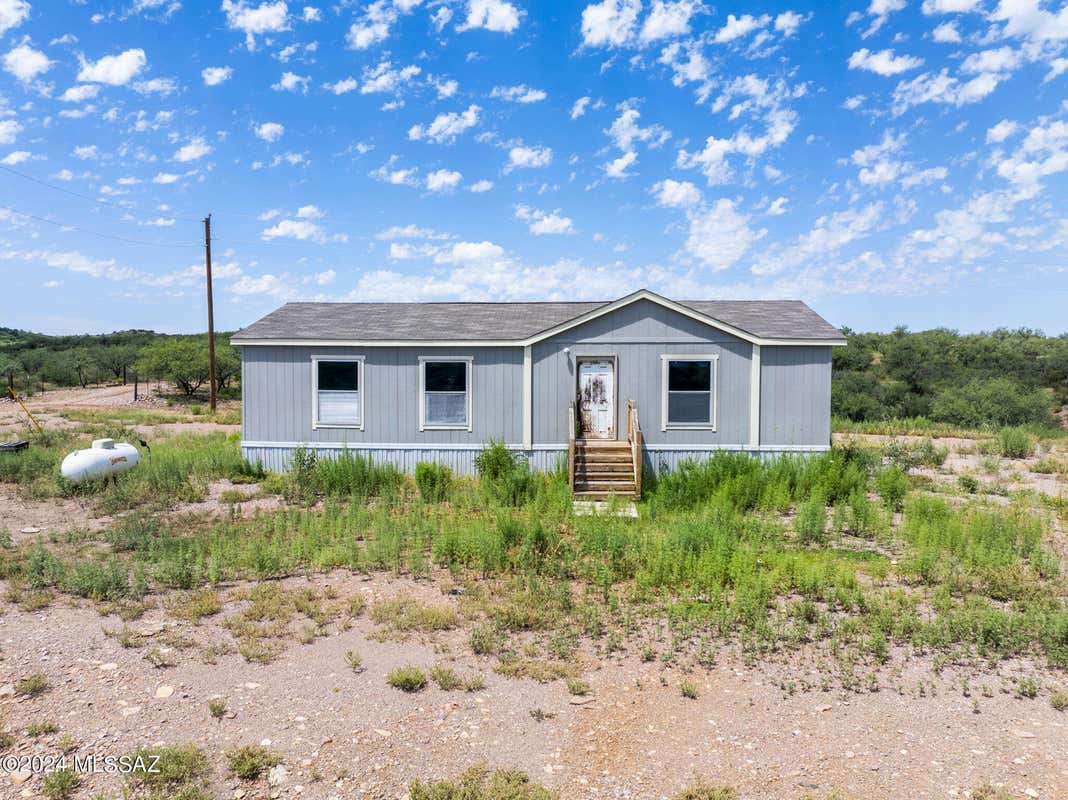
pixel 105 458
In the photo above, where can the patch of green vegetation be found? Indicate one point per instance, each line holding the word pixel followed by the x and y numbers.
pixel 433 481
pixel 41 727
pixel 478 783
pixel 702 790
pixel 1015 443
pixel 59 784
pixel 354 660
pixel 32 685
pixel 178 772
pixel 250 761
pixel 217 707
pixel 404 614
pixel 407 679
pixel 578 687
pixel 689 690
pixel 1059 700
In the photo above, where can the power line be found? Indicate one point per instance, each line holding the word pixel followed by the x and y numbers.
pixel 73 193
pixel 97 233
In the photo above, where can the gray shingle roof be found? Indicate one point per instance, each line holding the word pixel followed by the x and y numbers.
pixel 427 322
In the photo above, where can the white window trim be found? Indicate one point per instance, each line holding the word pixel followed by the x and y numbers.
pixel 665 360
pixel 316 424
pixel 423 361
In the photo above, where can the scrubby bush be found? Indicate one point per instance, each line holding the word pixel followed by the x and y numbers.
pixel 407 679
pixel 1015 443
pixel 505 475
pixel 892 484
pixel 478 783
pixel 811 520
pixel 993 402
pixel 433 481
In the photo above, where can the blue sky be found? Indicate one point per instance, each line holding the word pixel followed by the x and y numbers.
pixel 892 162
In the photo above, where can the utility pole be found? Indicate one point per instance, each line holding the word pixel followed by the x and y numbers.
pixel 211 310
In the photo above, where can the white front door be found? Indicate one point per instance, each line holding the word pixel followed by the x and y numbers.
pixel 597 398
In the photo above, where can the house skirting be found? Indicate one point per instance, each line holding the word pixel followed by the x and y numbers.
pixel 275 456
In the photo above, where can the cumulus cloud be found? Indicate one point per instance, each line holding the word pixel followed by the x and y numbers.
pixel 384 78
pixel 16 157
pixel 12 14
pixel 267 17
pixel 493 15
pixel 518 94
pixel 667 19
pixel 292 82
pixel 619 168
pixel 542 223
pixel 270 131
pixel 480 186
pixel 1002 131
pixel 946 33
pixel 739 27
pixel 676 194
pixel 25 63
pixel 443 180
pixel 609 23
pixel 300 229
pixel 213 76
pixel 116 70
pixel 578 108
pixel 884 62
pixel 521 156
pixel 196 149
pixel 343 86
pixel 446 127
pixel 942 88
pixel 720 235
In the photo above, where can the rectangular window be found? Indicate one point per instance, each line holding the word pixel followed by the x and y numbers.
pixel 446 401
pixel 338 401
pixel 689 392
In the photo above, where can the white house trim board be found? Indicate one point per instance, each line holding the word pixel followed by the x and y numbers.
pixel 528 398
pixel 316 425
pixel 754 397
pixel 423 360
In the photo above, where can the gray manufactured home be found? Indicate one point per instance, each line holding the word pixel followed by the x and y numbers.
pixel 604 385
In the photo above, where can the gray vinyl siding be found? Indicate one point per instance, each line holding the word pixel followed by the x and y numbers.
pixel 795 395
pixel 637 335
pixel 277 395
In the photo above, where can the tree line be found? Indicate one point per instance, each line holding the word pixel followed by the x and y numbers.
pixel 991 379
pixel 30 362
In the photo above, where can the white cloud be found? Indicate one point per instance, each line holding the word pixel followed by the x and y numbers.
pixel 720 235
pixel 310 212
pixel 292 82
pixel 446 126
pixel 542 223
pixel 164 178
pixel 480 186
pixel 931 7
pixel 445 89
pixel 609 23
pixel 526 157
pixel 625 130
pixel 1028 19
pixel 409 232
pixel 312 14
pixel 12 14
pixel 81 93
pixel 343 86
pixel 1002 131
pixel 1002 59
pixel 1057 67
pixel 884 62
pixel 1043 152
pixel 942 88
pixel 713 159
pixel 689 65
pixel 114 70
pixel 197 148
pixel 739 27
pixel 469 253
pixel 375 24
pixel 16 157
pixel 213 76
pixel 618 168
pixel 854 102
pixel 384 78
pixel 25 63
pixel 668 19
pixel 387 173
pixel 270 131
pixel 64 175
pixel 161 86
pixel 493 15
pixel 946 32
pixel 879 11
pixel 264 18
pixel 788 22
pixel 85 152
pixel 579 107
pixel 443 180
pixel 301 230
pixel 677 194
pixel 518 94
pixel 777 207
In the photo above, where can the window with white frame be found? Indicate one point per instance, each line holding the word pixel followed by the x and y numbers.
pixel 689 391
pixel 445 386
pixel 337 391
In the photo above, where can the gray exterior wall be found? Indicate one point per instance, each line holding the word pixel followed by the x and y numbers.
pixel 637 335
pixel 794 407
pixel 795 395
pixel 277 395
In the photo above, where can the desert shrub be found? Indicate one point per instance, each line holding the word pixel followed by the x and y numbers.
pixel 993 402
pixel 701 790
pixel 478 783
pixel 433 481
pixel 406 678
pixel 811 520
pixel 968 484
pixel 908 454
pixel 32 685
pixel 355 476
pixel 251 761
pixel 1015 443
pixel 181 771
pixel 59 784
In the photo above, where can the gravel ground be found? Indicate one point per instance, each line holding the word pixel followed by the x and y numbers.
pixel 349 735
